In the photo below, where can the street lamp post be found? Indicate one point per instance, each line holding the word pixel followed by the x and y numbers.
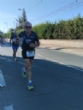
pixel 6 24
pixel 7 27
pixel 14 25
pixel 17 21
pixel 23 19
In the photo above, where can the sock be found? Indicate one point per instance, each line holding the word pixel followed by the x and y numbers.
pixel 24 69
pixel 30 81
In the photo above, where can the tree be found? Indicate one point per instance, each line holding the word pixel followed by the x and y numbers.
pixel 1 32
pixel 11 30
pixel 22 19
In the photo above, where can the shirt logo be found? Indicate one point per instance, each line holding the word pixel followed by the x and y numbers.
pixel 28 41
pixel 24 37
pixel 32 36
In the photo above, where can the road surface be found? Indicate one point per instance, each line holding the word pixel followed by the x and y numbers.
pixel 57 78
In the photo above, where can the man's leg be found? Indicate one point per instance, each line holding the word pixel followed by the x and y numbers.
pixel 24 69
pixel 31 62
pixel 29 73
pixel 14 52
pixel 28 66
pixel 13 47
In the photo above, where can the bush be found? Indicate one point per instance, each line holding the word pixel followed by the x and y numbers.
pixel 70 29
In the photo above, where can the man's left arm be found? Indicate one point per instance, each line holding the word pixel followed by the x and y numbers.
pixel 37 42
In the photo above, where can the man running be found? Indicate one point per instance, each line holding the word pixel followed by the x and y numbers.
pixel 29 43
pixel 1 41
pixel 15 43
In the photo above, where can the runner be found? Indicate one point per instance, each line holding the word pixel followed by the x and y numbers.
pixel 30 42
pixel 15 43
pixel 1 41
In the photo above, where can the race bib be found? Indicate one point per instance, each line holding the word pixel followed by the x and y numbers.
pixel 14 40
pixel 30 53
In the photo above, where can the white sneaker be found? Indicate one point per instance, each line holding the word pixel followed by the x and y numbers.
pixel 15 59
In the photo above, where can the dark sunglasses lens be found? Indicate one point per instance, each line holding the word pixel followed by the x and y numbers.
pixel 28 27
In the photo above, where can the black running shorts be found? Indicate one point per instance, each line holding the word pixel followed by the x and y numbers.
pixel 24 56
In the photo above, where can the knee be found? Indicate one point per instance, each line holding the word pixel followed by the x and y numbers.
pixel 29 67
pixel 14 51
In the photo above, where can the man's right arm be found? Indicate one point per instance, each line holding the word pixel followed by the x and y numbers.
pixel 21 37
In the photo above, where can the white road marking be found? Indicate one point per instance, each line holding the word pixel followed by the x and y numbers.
pixel 10 107
pixel 2 80
pixel 5 58
pixel 49 60
pixel 60 62
pixel 22 63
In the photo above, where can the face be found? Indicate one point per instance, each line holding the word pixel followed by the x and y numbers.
pixel 28 28
pixel 15 34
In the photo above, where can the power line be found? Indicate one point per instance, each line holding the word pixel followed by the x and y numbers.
pixel 56 11
pixel 59 10
pixel 72 7
pixel 68 10
pixel 35 6
pixel 32 7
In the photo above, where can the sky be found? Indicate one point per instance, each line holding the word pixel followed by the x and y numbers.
pixel 38 11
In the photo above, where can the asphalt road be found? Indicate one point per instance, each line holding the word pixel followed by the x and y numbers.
pixel 57 78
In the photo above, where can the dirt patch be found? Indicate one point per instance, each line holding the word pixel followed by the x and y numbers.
pixel 73 51
pixel 67 46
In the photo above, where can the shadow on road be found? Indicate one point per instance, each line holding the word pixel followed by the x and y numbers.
pixel 44 67
pixel 68 48
pixel 57 87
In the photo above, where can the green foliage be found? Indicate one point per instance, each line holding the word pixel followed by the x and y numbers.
pixel 21 20
pixel 70 29
pixel 19 31
pixel 24 17
pixel 7 35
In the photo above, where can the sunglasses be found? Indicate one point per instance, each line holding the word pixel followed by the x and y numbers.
pixel 28 27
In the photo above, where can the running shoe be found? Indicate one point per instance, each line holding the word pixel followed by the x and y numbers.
pixel 15 59
pixel 13 55
pixel 30 86
pixel 24 74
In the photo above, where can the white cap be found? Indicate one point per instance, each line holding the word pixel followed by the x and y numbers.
pixel 27 23
pixel 15 32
